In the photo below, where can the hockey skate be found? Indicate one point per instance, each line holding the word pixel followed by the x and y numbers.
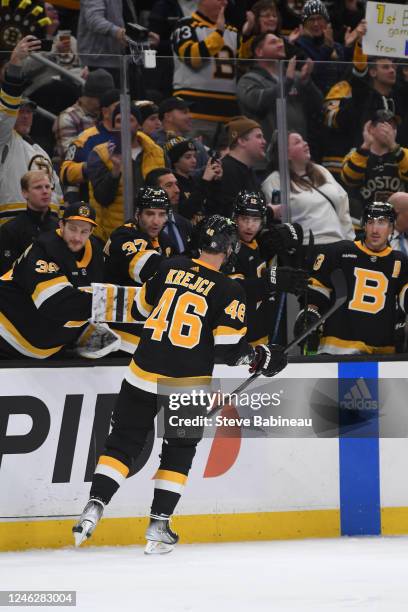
pixel 160 538
pixel 88 520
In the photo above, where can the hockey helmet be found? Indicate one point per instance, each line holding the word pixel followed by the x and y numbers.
pixel 152 197
pixel 314 7
pixel 379 210
pixel 249 204
pixel 218 234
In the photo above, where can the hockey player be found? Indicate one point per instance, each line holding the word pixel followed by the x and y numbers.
pixel 195 318
pixel 42 306
pixel 377 279
pixel 135 251
pixel 260 280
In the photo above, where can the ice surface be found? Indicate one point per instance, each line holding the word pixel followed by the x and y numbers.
pixel 320 575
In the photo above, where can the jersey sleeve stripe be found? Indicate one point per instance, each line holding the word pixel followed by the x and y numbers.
pixel 47 289
pixel 228 335
pixel 402 297
pixel 137 262
pixel 75 323
pixel 142 305
pixel 316 285
pixel 13 337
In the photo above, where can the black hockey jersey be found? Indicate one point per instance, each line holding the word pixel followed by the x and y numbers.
pixel 195 318
pixel 248 271
pixel 41 308
pixel 376 283
pixel 131 258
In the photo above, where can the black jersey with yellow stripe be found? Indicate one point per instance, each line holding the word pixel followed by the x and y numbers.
pixel 248 271
pixel 377 283
pixel 42 308
pixel 131 258
pixel 195 317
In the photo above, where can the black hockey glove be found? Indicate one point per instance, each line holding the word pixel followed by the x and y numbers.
pixel 269 359
pixel 286 279
pixel 282 239
pixel 303 321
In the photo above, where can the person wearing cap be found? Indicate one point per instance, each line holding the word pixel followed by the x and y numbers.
pixel 18 153
pixel 379 166
pixel 317 42
pixel 194 190
pixel 247 148
pixel 17 234
pixel 104 168
pixel 150 122
pixel 73 171
pixel 84 113
pixel 42 306
pixel 176 119
pixel 200 44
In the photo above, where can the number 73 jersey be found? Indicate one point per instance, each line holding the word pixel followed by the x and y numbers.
pixel 377 284
pixel 195 316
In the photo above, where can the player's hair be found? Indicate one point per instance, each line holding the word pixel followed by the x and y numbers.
pixel 32 175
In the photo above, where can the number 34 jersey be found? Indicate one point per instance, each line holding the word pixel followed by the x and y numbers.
pixel 195 318
pixel 377 284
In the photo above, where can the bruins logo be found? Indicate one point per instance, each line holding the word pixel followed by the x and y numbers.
pixel 84 211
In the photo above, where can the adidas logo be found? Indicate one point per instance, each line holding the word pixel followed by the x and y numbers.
pixel 359 398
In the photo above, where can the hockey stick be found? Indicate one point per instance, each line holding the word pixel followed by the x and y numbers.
pixel 339 285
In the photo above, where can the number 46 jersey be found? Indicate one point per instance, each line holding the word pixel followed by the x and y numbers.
pixel 195 317
pixel 377 284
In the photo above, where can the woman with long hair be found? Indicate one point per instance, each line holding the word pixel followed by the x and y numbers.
pixel 317 201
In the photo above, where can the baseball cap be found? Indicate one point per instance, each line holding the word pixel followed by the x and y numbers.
pixel 169 104
pixel 80 211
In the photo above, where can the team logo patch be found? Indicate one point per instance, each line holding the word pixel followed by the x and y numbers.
pixel 84 211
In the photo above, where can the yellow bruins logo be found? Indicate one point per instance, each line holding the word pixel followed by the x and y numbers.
pixel 84 211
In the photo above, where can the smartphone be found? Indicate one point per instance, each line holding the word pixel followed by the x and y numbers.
pixel 116 140
pixel 46 44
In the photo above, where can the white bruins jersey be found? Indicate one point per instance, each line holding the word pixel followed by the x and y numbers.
pixel 205 67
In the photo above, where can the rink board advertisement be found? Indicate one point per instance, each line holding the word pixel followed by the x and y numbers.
pixel 53 422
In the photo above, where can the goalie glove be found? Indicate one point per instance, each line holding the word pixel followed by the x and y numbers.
pixel 305 318
pixel 286 279
pixel 269 359
pixel 97 341
pixel 112 303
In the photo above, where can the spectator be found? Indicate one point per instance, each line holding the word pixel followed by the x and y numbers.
pixel 345 15
pixel 177 121
pixel 317 201
pixel 178 230
pixel 317 42
pixel 399 240
pixel 150 122
pixel 18 153
pixel 16 235
pixel 73 171
pixel 379 167
pixel 194 191
pixel 205 49
pixel 259 88
pixel 84 113
pixel 246 149
pixel 104 168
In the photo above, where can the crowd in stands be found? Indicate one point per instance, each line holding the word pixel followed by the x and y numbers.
pixel 203 123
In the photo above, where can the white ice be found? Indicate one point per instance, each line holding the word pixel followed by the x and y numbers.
pixel 320 575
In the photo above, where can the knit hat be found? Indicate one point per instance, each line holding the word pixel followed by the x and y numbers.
pixel 134 110
pixel 109 97
pixel 314 7
pixel 98 83
pixel 80 211
pixel 146 108
pixel 176 147
pixel 238 126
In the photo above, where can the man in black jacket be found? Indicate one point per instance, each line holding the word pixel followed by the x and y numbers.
pixel 18 233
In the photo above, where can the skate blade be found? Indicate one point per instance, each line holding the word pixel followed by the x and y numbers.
pixel 157 548
pixel 82 532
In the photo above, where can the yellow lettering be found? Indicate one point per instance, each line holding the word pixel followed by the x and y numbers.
pixel 178 277
pixel 187 278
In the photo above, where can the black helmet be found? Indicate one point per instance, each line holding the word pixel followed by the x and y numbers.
pixel 152 197
pixel 314 7
pixel 218 234
pixel 250 204
pixel 377 210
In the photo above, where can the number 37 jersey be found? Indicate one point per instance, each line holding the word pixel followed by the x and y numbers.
pixel 195 316
pixel 377 284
